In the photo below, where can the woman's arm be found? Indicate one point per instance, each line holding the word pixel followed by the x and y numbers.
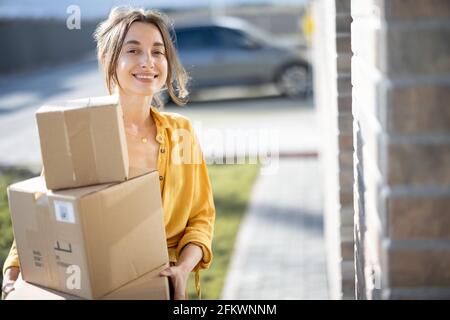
pixel 190 256
pixel 11 270
pixel 12 260
pixel 9 278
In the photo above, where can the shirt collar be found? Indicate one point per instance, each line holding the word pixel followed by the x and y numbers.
pixel 161 124
pixel 159 119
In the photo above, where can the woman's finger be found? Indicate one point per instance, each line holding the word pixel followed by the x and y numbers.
pixel 7 288
pixel 166 272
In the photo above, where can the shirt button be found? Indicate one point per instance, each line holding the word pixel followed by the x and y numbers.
pixel 163 150
pixel 160 138
pixel 161 178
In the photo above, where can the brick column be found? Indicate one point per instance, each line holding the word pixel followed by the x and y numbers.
pixel 332 88
pixel 401 108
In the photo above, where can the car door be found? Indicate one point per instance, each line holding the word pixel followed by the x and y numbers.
pixel 197 54
pixel 240 60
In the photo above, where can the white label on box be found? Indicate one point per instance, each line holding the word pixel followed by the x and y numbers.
pixel 64 211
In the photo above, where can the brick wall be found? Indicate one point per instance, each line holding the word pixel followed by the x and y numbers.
pixel 401 106
pixel 332 87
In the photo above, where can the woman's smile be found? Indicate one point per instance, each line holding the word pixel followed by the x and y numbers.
pixel 145 77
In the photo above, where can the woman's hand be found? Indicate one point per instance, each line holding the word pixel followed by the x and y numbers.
pixel 178 276
pixel 9 278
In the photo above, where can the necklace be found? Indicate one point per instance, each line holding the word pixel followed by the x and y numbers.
pixel 133 131
pixel 136 131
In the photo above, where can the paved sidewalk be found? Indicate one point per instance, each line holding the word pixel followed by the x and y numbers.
pixel 280 250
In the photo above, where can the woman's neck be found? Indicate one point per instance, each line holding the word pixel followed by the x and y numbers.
pixel 136 109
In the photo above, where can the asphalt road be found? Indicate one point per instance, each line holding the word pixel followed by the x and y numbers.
pixel 224 126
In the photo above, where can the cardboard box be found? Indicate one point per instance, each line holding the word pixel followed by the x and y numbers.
pixel 88 241
pixel 150 286
pixel 27 291
pixel 83 142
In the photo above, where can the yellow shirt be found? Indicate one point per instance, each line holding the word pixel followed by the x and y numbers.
pixel 186 192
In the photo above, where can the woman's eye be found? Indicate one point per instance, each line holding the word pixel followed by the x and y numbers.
pixel 132 51
pixel 158 52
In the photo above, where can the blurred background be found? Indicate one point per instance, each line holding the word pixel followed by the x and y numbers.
pixel 251 103
pixel 325 125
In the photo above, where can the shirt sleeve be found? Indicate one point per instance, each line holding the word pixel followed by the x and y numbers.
pixel 13 258
pixel 200 226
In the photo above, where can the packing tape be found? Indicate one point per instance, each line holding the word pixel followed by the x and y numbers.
pixel 71 164
pixel 81 144
pixel 93 145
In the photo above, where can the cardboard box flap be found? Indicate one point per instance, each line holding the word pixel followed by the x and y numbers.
pixel 28 219
pixel 107 131
pixel 53 136
pixel 36 184
pixel 32 245
pixel 91 102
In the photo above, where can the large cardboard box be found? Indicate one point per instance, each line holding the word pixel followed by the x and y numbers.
pixel 27 291
pixel 88 241
pixel 83 142
pixel 150 286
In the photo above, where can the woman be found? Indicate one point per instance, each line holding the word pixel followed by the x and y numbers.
pixel 139 60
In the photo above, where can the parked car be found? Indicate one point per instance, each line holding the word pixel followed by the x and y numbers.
pixel 232 52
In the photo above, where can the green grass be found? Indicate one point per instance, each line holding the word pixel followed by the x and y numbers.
pixel 232 185
pixel 6 234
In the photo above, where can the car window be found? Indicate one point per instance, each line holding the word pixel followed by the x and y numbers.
pixel 228 38
pixel 195 38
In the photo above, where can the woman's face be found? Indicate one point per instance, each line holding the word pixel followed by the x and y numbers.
pixel 142 63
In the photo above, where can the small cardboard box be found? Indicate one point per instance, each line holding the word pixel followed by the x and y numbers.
pixel 88 241
pixel 83 142
pixel 150 286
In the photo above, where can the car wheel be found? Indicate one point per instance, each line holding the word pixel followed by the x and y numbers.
pixel 294 81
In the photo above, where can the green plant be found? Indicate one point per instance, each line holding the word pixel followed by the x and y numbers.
pixel 232 185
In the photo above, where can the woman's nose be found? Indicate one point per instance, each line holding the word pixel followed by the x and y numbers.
pixel 147 60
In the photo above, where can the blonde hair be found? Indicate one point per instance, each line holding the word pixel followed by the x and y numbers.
pixel 110 35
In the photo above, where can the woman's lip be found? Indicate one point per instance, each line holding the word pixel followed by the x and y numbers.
pixel 146 80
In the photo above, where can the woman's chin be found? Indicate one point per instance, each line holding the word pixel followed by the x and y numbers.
pixel 142 92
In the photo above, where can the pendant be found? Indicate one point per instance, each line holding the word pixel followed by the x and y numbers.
pixel 144 140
